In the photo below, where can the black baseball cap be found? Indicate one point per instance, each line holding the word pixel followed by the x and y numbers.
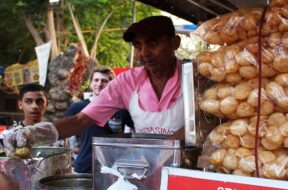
pixel 150 27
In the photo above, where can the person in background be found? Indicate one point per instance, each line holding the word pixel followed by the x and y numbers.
pixel 152 93
pixel 33 101
pixel 98 81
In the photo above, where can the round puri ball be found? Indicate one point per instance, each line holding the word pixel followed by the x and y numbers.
pixel 248 72
pixel 276 119
pixel 211 93
pixel 268 71
pixel 225 91
pixel 242 91
pixel 217 156
pixel 270 145
pixel 275 91
pixel 233 78
pixel 230 37
pixel 217 74
pixel 231 66
pixel 273 134
pixel 215 138
pixel 283 102
pixel 253 97
pixel 247 164
pixel 232 141
pixel 267 108
pixel 247 141
pixel 282 160
pixel 250 23
pixel 213 38
pixel 205 69
pixel 210 106
pixel 223 128
pixel 274 39
pixel 239 127
pixel 245 110
pixel 228 105
pixel 243 152
pixel 273 171
pixel 254 82
pixel 204 56
pixel 282 79
pixel 245 58
pixel 230 162
pixel 284 129
pixel 217 59
pixel 266 157
pixel 280 64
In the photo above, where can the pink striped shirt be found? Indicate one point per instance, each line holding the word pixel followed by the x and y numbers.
pixel 116 95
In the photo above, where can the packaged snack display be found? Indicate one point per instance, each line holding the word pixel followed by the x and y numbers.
pixel 237 101
pixel 230 147
pixel 239 61
pixel 243 24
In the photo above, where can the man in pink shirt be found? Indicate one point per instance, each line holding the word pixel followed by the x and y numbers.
pixel 151 93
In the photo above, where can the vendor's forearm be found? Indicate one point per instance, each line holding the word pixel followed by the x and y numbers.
pixel 73 125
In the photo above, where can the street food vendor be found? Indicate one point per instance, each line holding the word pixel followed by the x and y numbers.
pixel 151 93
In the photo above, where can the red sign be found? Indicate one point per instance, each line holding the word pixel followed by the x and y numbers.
pixel 117 71
pixel 187 183
pixel 183 179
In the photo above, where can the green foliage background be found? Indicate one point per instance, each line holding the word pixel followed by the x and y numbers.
pixel 17 44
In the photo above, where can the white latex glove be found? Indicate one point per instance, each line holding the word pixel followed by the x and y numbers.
pixel 43 133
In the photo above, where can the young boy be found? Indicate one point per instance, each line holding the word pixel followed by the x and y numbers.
pixel 33 102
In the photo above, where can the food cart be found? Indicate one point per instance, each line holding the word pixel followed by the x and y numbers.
pixel 199 124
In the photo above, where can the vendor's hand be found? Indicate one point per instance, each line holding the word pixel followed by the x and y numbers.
pixel 178 135
pixel 43 133
pixel 7 183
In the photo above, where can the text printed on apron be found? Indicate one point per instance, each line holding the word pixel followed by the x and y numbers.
pixel 165 122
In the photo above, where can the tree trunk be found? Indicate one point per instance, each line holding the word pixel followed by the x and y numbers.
pixel 32 30
pixel 79 31
pixel 97 36
pixel 52 32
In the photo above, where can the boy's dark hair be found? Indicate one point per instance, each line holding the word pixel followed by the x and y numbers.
pixel 31 88
pixel 104 70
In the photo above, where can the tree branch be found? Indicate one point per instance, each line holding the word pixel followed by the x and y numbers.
pixel 32 29
pixel 98 34
pixel 78 31
pixel 51 28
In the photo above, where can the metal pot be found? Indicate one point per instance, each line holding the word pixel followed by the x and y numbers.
pixel 46 161
pixel 67 182
pixel 55 161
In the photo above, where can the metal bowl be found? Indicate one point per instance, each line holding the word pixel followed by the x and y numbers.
pixel 67 182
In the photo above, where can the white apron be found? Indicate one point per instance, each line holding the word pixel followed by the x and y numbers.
pixel 165 122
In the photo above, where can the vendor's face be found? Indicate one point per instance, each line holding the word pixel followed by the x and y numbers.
pixel 34 105
pixel 156 55
pixel 99 82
